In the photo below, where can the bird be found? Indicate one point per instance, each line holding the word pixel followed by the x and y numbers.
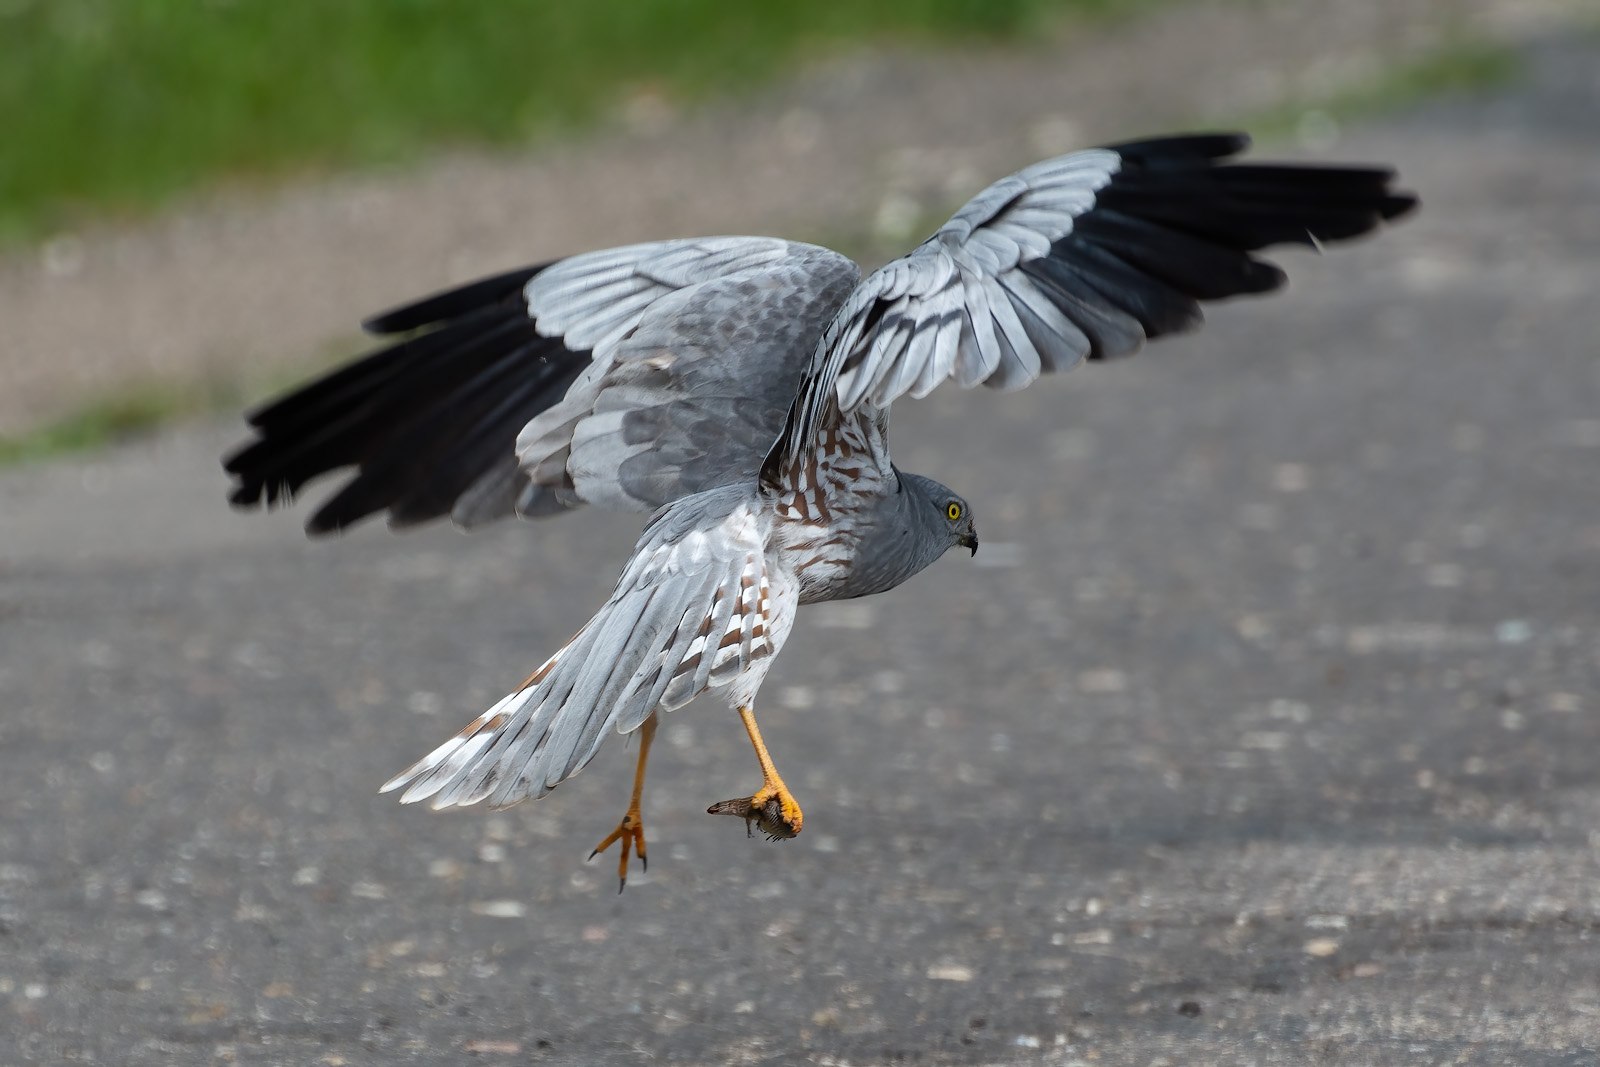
pixel 737 390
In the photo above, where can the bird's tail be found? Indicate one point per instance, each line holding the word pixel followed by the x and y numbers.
pixel 691 612
pixel 446 775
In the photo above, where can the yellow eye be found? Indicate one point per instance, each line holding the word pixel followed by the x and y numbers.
pixel 953 510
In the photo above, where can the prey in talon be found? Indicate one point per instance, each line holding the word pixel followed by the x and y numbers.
pixel 772 807
pixel 766 816
pixel 737 391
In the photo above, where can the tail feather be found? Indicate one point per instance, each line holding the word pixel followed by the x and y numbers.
pixel 438 768
pixel 680 611
pixel 442 774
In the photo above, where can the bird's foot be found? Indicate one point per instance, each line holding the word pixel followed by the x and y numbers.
pixel 630 831
pixel 772 809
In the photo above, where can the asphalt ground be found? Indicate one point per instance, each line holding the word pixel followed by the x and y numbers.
pixel 1262 730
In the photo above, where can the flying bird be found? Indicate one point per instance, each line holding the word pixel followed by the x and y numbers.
pixel 738 389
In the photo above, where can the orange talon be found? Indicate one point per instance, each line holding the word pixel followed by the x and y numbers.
pixel 772 808
pixel 630 831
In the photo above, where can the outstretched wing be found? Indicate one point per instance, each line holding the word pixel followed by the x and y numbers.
pixel 1083 256
pixel 635 375
pixel 692 611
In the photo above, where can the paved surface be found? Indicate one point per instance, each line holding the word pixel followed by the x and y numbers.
pixel 1265 731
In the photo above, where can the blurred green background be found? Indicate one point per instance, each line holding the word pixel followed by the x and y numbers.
pixel 112 109
pixel 114 105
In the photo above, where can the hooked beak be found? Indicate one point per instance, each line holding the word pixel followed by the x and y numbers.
pixel 969 541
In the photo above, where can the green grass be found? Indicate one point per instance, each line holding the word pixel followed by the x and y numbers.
pixel 115 105
pixel 131 412
pixel 1462 66
pixel 111 420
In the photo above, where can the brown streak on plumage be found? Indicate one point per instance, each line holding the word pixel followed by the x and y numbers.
pixel 540 674
pixel 494 724
pixel 543 670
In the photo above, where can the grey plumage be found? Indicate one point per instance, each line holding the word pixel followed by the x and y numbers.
pixel 905 531
pixel 688 389
pixel 740 389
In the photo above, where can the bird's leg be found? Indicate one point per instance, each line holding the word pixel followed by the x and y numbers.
pixel 772 808
pixel 630 831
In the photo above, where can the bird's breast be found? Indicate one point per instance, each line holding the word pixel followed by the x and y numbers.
pixel 821 511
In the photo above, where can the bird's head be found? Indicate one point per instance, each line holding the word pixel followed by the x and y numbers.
pixel 943 513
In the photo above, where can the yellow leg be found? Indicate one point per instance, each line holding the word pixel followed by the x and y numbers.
pixel 772 807
pixel 630 831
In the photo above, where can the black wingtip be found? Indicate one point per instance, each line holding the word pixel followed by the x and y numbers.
pixel 421 420
pixel 1184 147
pixel 451 302
pixel 320 524
pixel 1181 151
pixel 1398 205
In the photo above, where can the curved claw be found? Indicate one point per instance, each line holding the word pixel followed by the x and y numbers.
pixel 630 831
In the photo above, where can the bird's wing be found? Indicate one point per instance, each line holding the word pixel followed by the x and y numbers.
pixel 1083 256
pixel 633 375
pixel 691 612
